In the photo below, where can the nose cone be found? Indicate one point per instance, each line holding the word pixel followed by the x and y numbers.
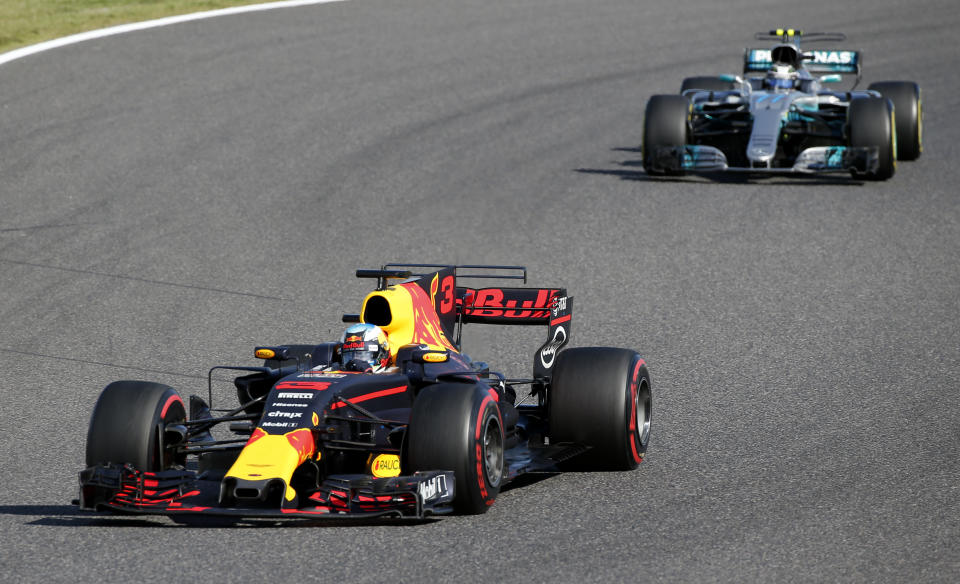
pixel 262 472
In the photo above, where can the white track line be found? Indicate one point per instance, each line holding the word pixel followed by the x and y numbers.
pixel 125 28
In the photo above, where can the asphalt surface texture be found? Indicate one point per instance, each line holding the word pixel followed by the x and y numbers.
pixel 172 198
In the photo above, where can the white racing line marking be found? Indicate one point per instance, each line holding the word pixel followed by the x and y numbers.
pixel 135 26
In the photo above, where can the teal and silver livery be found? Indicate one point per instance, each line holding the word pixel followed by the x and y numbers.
pixel 780 117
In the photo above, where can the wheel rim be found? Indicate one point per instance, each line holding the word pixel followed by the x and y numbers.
pixel 642 408
pixel 492 452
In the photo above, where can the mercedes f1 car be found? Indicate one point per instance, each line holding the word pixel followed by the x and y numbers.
pixel 784 121
pixel 433 433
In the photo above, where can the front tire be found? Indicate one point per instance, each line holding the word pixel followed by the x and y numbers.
pixel 458 427
pixel 665 124
pixel 908 113
pixel 870 122
pixel 127 425
pixel 600 397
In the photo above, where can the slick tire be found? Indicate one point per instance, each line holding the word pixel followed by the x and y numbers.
pixel 870 122
pixel 600 397
pixel 706 83
pixel 458 427
pixel 127 425
pixel 908 113
pixel 665 123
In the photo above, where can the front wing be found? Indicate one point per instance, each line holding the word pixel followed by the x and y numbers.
pixel 124 489
pixel 819 159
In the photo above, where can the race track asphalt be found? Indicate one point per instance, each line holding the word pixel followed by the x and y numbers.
pixel 173 197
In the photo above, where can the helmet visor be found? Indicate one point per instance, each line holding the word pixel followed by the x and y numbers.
pixel 360 355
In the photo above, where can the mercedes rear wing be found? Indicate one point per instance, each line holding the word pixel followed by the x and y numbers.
pixel 839 62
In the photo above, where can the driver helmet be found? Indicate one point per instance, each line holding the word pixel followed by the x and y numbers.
pixel 780 77
pixel 364 346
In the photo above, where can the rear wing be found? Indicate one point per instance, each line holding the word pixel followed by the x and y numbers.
pixel 841 62
pixel 530 306
pixel 508 305
pixel 456 305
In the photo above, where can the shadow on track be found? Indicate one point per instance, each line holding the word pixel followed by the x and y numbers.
pixel 527 480
pixel 73 516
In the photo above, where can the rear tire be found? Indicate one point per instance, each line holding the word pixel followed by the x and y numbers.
pixel 870 122
pixel 908 113
pixel 458 427
pixel 665 124
pixel 128 422
pixel 706 83
pixel 601 397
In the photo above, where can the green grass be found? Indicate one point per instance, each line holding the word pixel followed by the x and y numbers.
pixel 26 22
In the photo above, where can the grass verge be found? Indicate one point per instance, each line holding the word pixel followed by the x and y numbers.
pixel 26 22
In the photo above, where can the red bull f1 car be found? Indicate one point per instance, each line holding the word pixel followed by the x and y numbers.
pixel 433 433
pixel 779 118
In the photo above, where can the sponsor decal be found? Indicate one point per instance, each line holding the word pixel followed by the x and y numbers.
pixel 276 424
pixel 834 57
pixel 385 465
pixel 279 414
pixel 549 352
pixel 265 353
pixel 304 385
pixel 434 357
pixel 352 346
pixel 489 302
pixel 433 488
pixel 286 405
pixel 323 374
pixel 294 395
pixel 765 56
pixel 559 305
